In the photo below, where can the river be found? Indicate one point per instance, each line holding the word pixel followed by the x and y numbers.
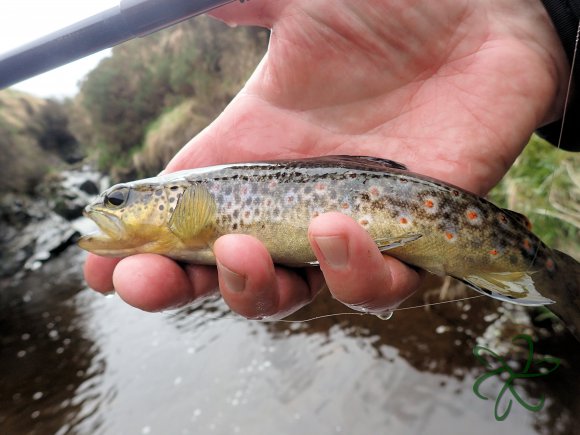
pixel 73 361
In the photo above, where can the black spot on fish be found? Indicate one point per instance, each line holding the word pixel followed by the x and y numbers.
pixel 161 207
pixel 158 192
pixel 174 187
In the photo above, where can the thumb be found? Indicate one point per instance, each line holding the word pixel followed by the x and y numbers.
pixel 262 13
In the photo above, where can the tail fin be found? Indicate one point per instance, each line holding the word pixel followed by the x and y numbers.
pixel 563 287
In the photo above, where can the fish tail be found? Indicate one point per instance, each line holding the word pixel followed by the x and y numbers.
pixel 563 286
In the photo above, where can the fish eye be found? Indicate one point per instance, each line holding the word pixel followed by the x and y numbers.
pixel 116 198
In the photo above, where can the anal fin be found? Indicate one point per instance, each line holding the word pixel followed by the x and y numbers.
pixel 515 287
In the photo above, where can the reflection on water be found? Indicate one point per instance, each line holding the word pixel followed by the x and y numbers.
pixel 76 362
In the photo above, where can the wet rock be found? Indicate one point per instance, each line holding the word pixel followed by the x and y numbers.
pixel 29 247
pixel 90 187
pixel 34 230
pixel 70 191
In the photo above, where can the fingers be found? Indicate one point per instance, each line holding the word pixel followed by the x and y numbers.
pixel 253 287
pixel 153 282
pixel 150 282
pixel 253 13
pixel 99 272
pixel 356 272
pixel 249 282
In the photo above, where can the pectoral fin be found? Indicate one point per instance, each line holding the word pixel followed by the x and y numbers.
pixel 514 287
pixel 388 243
pixel 194 214
pixel 385 244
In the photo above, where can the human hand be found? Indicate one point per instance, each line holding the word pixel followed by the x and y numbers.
pixel 453 89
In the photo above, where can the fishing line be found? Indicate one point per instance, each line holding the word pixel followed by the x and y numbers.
pixel 561 134
pixel 350 313
pixel 568 90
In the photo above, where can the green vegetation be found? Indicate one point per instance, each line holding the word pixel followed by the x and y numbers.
pixel 142 104
pixel 34 137
pixel 544 184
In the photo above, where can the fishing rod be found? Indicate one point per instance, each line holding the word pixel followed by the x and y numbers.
pixel 128 20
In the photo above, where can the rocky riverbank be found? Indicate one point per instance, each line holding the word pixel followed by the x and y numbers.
pixel 38 227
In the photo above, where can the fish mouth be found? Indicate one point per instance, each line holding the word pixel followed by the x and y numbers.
pixel 109 224
pixel 108 241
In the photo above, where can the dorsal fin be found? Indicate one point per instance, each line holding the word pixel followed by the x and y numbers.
pixel 366 162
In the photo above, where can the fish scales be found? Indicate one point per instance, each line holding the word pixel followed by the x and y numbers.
pixel 421 221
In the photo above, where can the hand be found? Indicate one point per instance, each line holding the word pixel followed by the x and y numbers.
pixel 453 89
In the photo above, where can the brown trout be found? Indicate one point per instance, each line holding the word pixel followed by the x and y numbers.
pixel 421 221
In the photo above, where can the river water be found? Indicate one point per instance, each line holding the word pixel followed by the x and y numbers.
pixel 73 361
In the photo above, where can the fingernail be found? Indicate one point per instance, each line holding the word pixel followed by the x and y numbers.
pixel 233 281
pixel 334 250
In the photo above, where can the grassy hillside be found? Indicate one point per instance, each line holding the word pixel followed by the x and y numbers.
pixel 34 138
pixel 176 80
pixel 544 184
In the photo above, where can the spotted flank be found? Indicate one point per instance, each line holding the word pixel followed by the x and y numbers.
pixel 422 222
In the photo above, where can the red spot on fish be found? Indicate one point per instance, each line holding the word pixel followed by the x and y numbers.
pixel 345 205
pixel 320 186
pixel 528 224
pixel 403 220
pixel 247 214
pixel 429 203
pixel 374 191
pixel 494 252
pixel 502 218
pixel 528 246
pixel 290 198
pixel 363 222
pixel 455 192
pixel 449 236
pixel 472 215
pixel 550 265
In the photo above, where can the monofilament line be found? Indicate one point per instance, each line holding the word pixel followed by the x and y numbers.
pixel 569 88
pixel 350 313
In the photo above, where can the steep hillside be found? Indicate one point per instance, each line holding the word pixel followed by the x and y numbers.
pixel 34 138
pixel 178 79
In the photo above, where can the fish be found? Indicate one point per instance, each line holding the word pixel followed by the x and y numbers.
pixel 423 222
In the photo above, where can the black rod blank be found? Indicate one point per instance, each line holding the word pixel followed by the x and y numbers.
pixel 130 19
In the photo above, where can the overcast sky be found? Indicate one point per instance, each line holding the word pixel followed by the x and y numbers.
pixel 22 21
